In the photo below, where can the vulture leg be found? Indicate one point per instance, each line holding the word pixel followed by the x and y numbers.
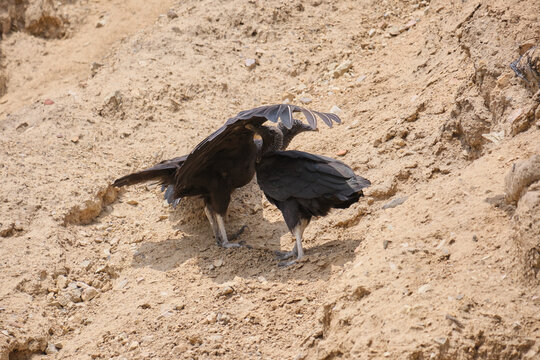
pixel 224 240
pixel 211 215
pixel 298 232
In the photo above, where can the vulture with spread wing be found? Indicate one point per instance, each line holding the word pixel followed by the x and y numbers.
pixel 225 160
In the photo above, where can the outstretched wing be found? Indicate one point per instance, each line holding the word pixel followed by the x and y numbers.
pixel 297 174
pixel 234 133
pixel 284 112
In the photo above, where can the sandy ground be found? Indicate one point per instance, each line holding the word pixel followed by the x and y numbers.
pixel 432 115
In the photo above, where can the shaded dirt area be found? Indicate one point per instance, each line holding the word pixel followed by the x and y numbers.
pixel 432 114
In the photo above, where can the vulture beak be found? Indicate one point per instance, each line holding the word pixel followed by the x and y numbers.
pixel 258 143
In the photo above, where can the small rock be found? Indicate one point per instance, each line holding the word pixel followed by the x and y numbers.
pixel 51 349
pixel 518 120
pixel 75 139
pixel 22 126
pixel 133 202
pixel 394 202
pixel 385 244
pixel 287 96
pixel 342 153
pixel 180 350
pixel 441 341
pixel 7 231
pixel 94 68
pixel 424 288
pixel 112 104
pixel 372 32
pixel 61 282
pixel 410 24
pixel 361 78
pixel 475 238
pixel 86 264
pixel 394 31
pixel 342 68
pixel 305 100
pixel 171 14
pixel 262 279
pixel 121 284
pixel 223 318
pixel 89 293
pixel 459 296
pixel 74 293
pixel 335 110
pixel 218 263
pixel 133 345
pixel 525 46
pixel 211 318
pixel 48 102
pixel 101 23
pixel 225 290
pixel 504 80
pixel 251 63
pixel 216 338
pixel 382 190
pixel 62 300
pixel 495 137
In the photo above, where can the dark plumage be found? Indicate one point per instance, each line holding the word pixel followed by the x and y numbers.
pixel 162 173
pixel 225 160
pixel 304 185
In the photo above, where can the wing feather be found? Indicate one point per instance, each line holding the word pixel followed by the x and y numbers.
pixel 235 126
pixel 296 174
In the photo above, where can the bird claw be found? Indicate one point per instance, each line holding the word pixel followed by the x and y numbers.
pixel 284 255
pixel 235 245
pixel 238 233
pixel 283 264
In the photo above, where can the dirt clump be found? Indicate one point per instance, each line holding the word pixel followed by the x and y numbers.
pixel 523 187
pixel 37 17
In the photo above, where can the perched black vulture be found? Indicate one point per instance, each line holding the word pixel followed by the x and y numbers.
pixel 225 160
pixel 303 185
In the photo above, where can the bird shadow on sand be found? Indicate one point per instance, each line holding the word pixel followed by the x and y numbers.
pixel 195 244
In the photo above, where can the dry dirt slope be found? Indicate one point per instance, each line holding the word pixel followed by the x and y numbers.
pixel 89 273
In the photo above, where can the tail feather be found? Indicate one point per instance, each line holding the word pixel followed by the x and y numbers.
pixel 163 176
pixel 169 195
pixel 162 173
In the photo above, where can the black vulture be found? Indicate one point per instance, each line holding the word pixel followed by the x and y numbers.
pixel 303 185
pixel 225 160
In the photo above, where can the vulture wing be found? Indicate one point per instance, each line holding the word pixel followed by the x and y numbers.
pixel 228 138
pixel 296 174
